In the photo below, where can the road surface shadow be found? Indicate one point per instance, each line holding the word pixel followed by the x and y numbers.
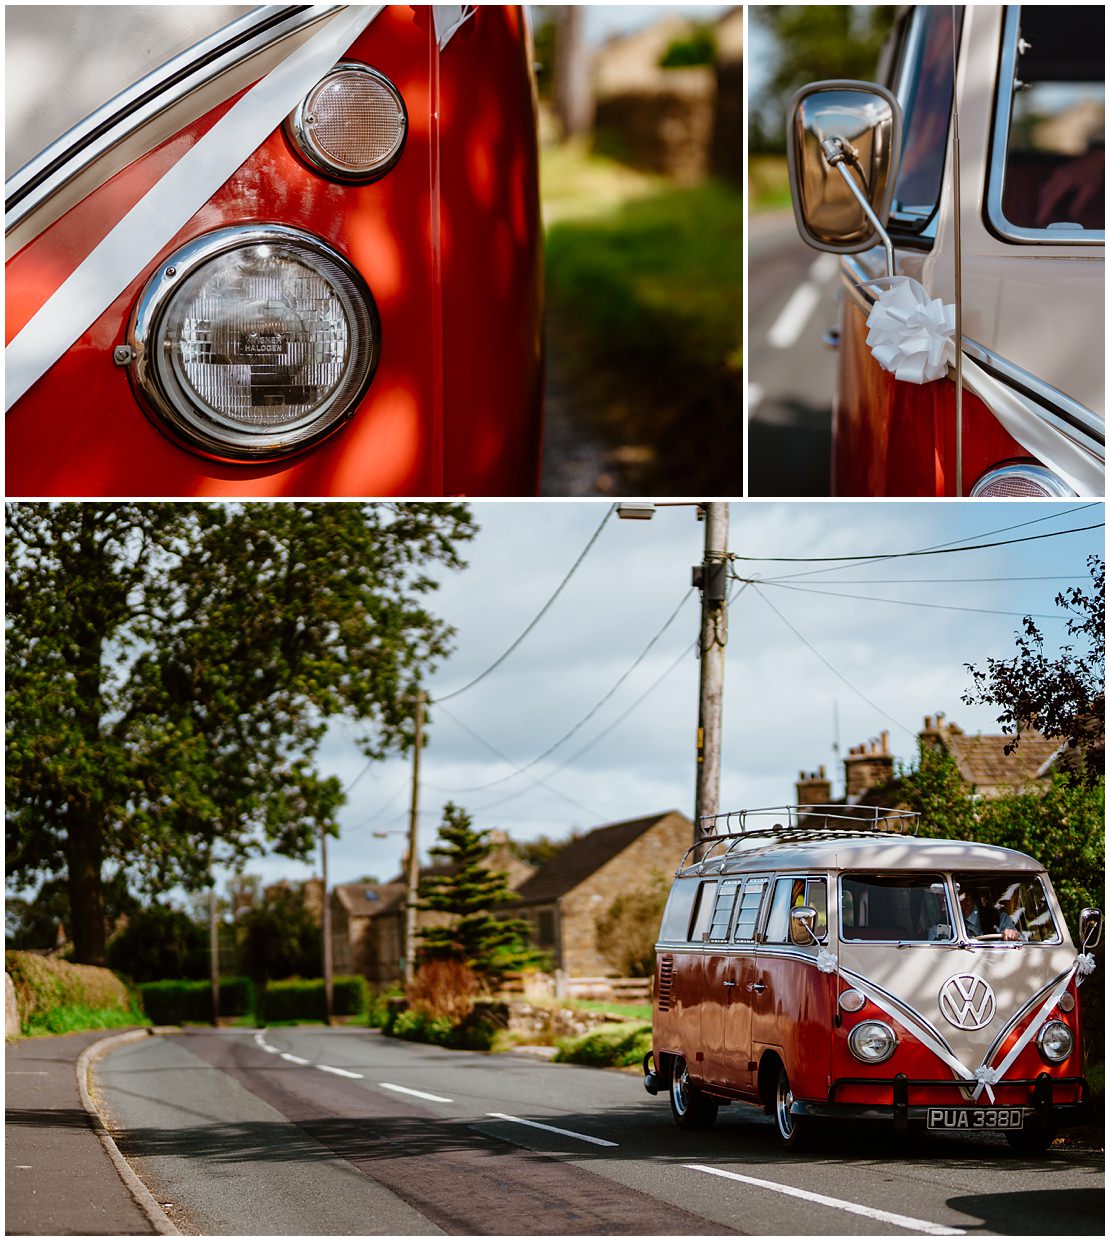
pixel 790 453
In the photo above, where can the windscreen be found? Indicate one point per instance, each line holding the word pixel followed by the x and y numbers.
pixel 903 908
pixel 1005 908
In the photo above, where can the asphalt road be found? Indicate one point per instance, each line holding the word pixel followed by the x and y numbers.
pixel 313 1131
pixel 791 375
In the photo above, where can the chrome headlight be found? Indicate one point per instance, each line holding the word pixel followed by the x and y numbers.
pixel 351 125
pixel 872 1042
pixel 254 343
pixel 1021 481
pixel 1055 1041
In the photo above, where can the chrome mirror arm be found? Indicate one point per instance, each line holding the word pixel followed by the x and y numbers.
pixel 837 155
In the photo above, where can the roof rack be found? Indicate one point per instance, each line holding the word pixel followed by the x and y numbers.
pixel 795 823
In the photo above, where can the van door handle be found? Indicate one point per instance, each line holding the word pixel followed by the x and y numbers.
pixel 757 986
pixel 730 984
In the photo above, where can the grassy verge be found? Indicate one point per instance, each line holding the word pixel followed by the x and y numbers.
pixel 768 183
pixel 58 997
pixel 634 1012
pixel 620 1046
pixel 646 311
pixel 72 1019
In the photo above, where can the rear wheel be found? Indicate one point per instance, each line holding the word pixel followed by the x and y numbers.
pixel 690 1107
pixel 793 1130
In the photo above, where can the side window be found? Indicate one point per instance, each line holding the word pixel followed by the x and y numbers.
pixel 703 911
pixel 789 894
pixel 722 909
pixel 747 916
pixel 676 916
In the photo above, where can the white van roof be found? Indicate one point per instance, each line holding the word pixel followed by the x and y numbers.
pixel 831 850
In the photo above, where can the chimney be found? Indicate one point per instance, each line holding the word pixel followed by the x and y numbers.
pixel 868 766
pixel 813 788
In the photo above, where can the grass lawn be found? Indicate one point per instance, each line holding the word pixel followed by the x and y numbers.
pixel 633 1012
pixel 644 282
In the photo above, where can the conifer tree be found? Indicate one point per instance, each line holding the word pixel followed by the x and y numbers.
pixel 470 893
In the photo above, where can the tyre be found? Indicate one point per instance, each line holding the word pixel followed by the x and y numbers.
pixel 1034 1139
pixel 794 1131
pixel 690 1107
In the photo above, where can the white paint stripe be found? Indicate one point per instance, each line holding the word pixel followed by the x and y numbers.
pixel 885 1217
pixel 566 1133
pixel 273 1050
pixel 794 316
pixel 164 210
pixel 823 268
pixel 420 1094
pixel 339 1072
pixel 293 1059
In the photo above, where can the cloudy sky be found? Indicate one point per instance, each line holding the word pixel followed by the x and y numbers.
pixel 897 633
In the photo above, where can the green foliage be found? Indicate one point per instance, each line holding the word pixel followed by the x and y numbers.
pixel 73 1019
pixel 468 894
pixel 172 669
pixel 53 992
pixel 175 1001
pixel 377 1006
pixel 474 1034
pixel 278 937
pixel 628 929
pixel 542 849
pixel 303 999
pixel 699 47
pixel 44 920
pixel 618 1045
pixel 160 942
pixel 631 1012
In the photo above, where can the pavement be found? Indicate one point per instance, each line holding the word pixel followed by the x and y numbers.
pixel 59 1177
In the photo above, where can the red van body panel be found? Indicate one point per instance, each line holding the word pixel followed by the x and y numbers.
pixel 793 1018
pixel 448 242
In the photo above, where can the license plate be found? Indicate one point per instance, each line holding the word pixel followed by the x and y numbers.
pixel 975 1118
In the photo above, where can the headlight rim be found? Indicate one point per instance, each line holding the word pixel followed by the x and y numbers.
pixel 143 337
pixel 1042 1035
pixel 300 138
pixel 855 1033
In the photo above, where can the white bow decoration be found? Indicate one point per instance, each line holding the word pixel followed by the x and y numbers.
pixel 909 331
pixel 1085 964
pixel 826 962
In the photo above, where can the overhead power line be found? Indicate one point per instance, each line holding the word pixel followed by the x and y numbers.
pixel 440 699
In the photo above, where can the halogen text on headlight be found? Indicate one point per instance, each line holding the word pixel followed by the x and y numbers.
pixel 872 1041
pixel 1055 1041
pixel 254 343
pixel 351 125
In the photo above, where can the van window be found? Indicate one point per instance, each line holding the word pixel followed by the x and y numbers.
pixel 788 895
pixel 895 907
pixel 680 904
pixel 1005 907
pixel 703 910
pixel 747 918
pixel 1055 149
pixel 722 909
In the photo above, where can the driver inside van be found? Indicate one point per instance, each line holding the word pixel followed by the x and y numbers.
pixel 998 921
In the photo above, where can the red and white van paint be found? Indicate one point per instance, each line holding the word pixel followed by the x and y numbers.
pixel 447 241
pixel 1029 231
pixel 828 969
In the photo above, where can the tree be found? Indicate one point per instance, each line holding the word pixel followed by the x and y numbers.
pixel 160 942
pixel 1061 696
pixel 278 937
pixel 469 893
pixel 628 929
pixel 172 670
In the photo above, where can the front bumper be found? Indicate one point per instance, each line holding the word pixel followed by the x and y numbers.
pixel 903 1114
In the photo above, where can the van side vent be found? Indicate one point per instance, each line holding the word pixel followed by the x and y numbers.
pixel 666 978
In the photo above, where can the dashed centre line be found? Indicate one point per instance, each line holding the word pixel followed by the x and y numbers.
pixel 566 1133
pixel 285 1055
pixel 327 1068
pixel 420 1094
pixel 839 1204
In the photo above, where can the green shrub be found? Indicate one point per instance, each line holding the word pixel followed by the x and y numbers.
pixel 174 1001
pixel 474 1033
pixel 57 996
pixel 609 1045
pixel 350 995
pixel 302 999
pixel 377 1006
pixel 699 47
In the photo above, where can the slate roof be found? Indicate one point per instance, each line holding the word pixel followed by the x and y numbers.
pixel 580 858
pixel 367 900
pixel 983 762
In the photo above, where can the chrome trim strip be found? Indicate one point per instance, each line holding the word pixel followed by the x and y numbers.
pixel 132 108
pixel 1066 414
pixel 1000 134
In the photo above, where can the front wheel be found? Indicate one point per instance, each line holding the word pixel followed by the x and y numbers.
pixel 690 1107
pixel 794 1131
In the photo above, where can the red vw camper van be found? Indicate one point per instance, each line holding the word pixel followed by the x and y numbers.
pixel 828 965
pixel 284 250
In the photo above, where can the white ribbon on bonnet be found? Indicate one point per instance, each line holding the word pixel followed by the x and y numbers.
pixel 912 336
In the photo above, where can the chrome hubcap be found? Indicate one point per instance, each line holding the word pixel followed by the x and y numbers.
pixel 678 1090
pixel 785 1101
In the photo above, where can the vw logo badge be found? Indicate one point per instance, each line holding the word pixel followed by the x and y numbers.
pixel 966 1001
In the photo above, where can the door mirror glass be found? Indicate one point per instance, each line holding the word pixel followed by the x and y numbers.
pixel 1090 928
pixel 857 125
pixel 803 920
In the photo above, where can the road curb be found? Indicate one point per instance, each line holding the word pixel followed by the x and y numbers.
pixel 145 1200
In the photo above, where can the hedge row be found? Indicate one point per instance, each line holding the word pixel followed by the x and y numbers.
pixel 175 1000
pixel 56 996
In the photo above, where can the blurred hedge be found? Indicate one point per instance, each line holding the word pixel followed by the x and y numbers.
pixel 302 999
pixel 172 1001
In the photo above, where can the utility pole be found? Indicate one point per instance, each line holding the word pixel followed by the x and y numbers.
pixel 711 576
pixel 414 856
pixel 214 953
pixel 325 926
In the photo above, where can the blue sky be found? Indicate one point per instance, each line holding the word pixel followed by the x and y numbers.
pixel 905 654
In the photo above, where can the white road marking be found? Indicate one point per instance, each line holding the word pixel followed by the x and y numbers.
pixel 886 1217
pixel 823 268
pixel 566 1133
pixel 420 1094
pixel 794 316
pixel 326 1068
pixel 275 1051
pixel 755 395
pixel 285 1055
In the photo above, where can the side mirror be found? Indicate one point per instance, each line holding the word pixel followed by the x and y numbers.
pixel 1090 928
pixel 803 920
pixel 841 135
